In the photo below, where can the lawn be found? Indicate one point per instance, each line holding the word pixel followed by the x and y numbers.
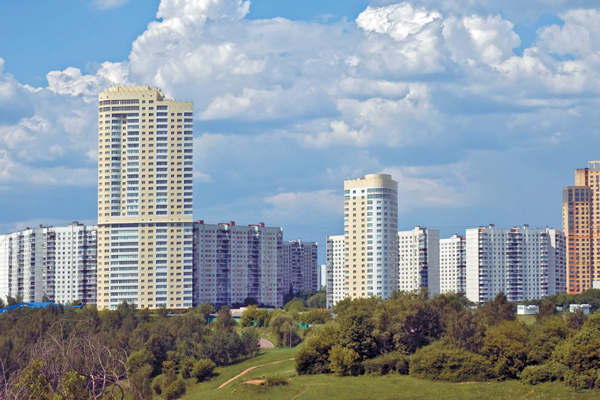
pixel 332 387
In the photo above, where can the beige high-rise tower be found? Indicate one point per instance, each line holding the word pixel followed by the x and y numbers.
pixel 370 236
pixel 145 174
pixel 581 225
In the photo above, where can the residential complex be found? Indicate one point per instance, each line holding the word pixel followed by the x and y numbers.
pixel 57 263
pixel 145 176
pixel 453 264
pixel 300 265
pixel 335 269
pixel 581 225
pixel 524 263
pixel 418 259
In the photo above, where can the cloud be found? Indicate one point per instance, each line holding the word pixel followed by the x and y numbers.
pixel 303 207
pixel 106 4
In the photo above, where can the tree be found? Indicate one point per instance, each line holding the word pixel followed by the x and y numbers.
pixel 498 310
pixel 344 361
pixel 464 329
pixel 45 298
pixel 249 301
pixel 506 346
pixel 319 300
pixel 285 329
pixel 205 309
pixel 224 321
pixel 547 309
pixel 313 358
pixel 356 330
pixel 203 369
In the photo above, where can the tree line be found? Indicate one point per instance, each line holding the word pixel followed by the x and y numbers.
pixel 64 353
pixel 447 338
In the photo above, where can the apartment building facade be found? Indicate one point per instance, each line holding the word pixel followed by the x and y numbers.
pixel 581 225
pixel 58 263
pixel 335 257
pixel 522 262
pixel 453 264
pixel 239 262
pixel 370 236
pixel 418 259
pixel 145 186
pixel 299 261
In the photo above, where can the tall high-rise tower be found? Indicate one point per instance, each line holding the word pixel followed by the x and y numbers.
pixel 581 225
pixel 370 236
pixel 145 173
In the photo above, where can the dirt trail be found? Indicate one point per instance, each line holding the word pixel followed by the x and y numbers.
pixel 301 393
pixel 252 369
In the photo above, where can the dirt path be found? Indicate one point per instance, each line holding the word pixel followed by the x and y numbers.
pixel 252 369
pixel 301 393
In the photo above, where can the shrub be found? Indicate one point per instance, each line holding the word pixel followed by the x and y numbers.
pixel 167 365
pixel 158 383
pixel 203 369
pixel 445 362
pixel 387 363
pixel 344 361
pixel 170 377
pixel 175 390
pixel 275 381
pixel 185 367
pixel 549 372
pixel 314 356
pixel 505 346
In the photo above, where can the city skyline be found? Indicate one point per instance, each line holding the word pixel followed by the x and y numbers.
pixel 275 136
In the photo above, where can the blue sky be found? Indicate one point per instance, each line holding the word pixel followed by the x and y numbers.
pixel 480 111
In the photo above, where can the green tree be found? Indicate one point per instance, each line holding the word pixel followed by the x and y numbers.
pixel 203 369
pixel 313 358
pixel 344 361
pixel 506 346
pixel 318 300
pixel 356 329
pixel 547 309
pixel 224 321
pixel 285 329
pixel 498 310
pixel 464 329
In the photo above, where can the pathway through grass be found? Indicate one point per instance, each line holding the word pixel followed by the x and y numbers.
pixel 252 369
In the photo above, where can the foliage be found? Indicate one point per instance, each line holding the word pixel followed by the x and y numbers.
pixel 175 390
pixel 203 369
pixel 294 306
pixel 497 310
pixel 315 316
pixel 356 329
pixel 549 372
pixel 505 346
pixel 275 380
pixel 446 362
pixel 285 329
pixel 344 361
pixel 319 300
pixel 545 336
pixel 387 363
pixel 254 316
pixel 224 321
pixel 314 356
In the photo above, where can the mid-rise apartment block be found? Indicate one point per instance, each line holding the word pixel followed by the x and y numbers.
pixel 418 259
pixel 581 225
pixel 335 269
pixel 524 263
pixel 239 262
pixel 145 185
pixel 453 264
pixel 58 263
pixel 299 262
pixel 370 236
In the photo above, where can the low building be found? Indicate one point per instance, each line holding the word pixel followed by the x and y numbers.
pixel 583 307
pixel 527 310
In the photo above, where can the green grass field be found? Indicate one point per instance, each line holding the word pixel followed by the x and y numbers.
pixel 362 387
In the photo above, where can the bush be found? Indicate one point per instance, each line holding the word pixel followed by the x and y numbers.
pixel 158 383
pixel 203 369
pixel 175 390
pixel 314 356
pixel 344 361
pixel 445 362
pixel 275 381
pixel 505 346
pixel 548 372
pixel 185 367
pixel 387 363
